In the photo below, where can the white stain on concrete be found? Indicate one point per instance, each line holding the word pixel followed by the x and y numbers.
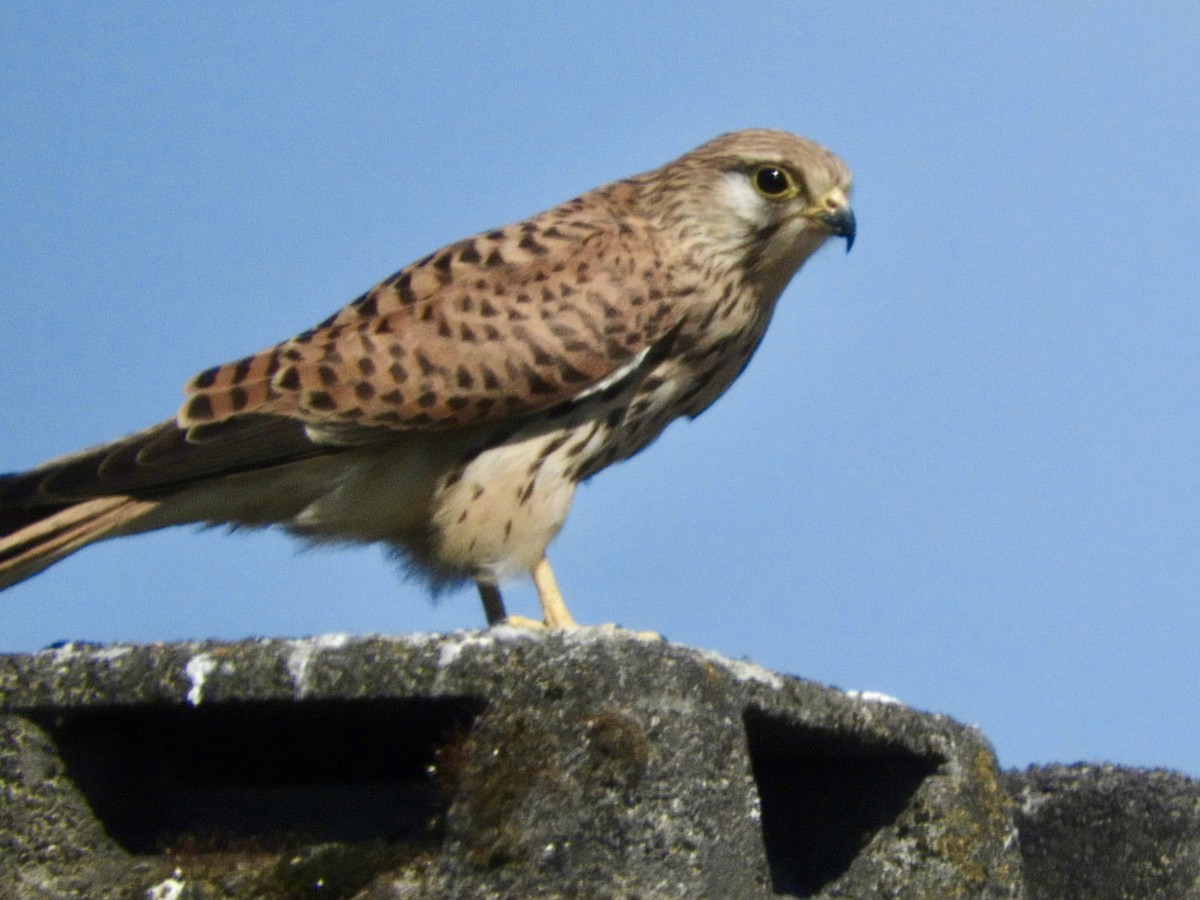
pixel 874 697
pixel 198 668
pixel 454 645
pixel 171 889
pixel 745 671
pixel 304 651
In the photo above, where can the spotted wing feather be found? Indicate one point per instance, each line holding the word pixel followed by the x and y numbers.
pixel 493 327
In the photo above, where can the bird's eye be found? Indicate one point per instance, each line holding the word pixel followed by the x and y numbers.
pixel 774 183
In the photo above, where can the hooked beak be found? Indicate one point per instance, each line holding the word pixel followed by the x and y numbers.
pixel 834 212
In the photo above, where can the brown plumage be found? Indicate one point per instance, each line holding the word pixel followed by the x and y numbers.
pixel 450 411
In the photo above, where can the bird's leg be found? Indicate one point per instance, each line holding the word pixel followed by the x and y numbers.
pixel 493 603
pixel 554 610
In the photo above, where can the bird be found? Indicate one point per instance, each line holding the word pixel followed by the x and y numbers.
pixel 451 410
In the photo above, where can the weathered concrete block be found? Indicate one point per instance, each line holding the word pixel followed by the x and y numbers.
pixel 492 764
pixel 1102 832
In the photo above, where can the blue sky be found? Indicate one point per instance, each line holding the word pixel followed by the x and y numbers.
pixel 962 469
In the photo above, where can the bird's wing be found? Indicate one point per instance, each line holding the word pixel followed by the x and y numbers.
pixel 487 330
pixel 159 459
pixel 491 328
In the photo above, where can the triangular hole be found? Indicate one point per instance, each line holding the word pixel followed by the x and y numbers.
pixel 272 772
pixel 824 796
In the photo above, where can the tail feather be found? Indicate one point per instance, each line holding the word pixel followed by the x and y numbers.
pixel 53 510
pixel 61 531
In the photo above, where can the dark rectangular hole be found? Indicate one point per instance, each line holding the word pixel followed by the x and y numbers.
pixel 274 772
pixel 823 797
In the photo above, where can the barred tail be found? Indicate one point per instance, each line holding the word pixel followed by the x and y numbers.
pixel 35 539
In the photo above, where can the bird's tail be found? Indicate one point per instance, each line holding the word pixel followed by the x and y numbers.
pixel 162 476
pixel 33 539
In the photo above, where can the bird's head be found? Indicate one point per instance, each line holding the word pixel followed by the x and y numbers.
pixel 762 201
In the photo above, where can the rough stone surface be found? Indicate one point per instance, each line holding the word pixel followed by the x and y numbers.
pixel 495 764
pixel 1096 832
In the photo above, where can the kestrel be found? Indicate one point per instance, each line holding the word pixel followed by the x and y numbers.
pixel 450 411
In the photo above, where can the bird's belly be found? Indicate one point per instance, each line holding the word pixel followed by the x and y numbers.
pixel 476 506
pixel 370 494
pixel 495 516
pixel 450 509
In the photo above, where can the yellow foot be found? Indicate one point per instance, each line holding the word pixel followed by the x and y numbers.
pixel 521 622
pixel 554 610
